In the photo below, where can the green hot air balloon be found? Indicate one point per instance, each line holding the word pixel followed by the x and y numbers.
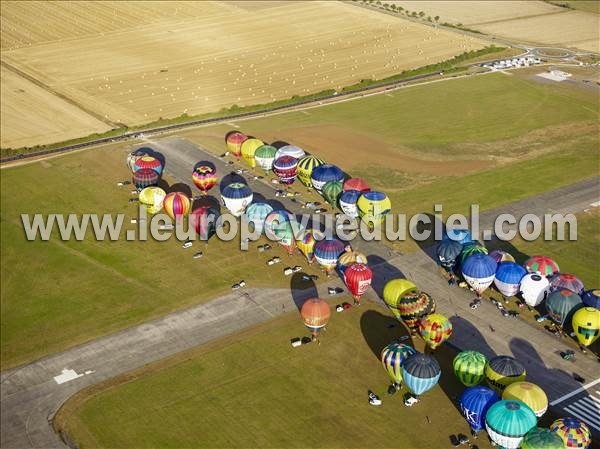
pixel 469 367
pixel 470 249
pixel 561 304
pixel 540 438
pixel 331 192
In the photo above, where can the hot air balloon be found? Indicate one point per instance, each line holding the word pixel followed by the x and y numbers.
pixel 265 156
pixel 561 304
pixel 507 422
pixel 462 236
pixel 503 370
pixel 479 271
pixel 586 325
pixel 256 214
pixel 413 307
pixel 331 192
pixel 435 329
pixel 356 184
pixel 508 278
pixel 541 265
pixel 530 394
pixel 534 288
pixel 236 197
pixel 204 176
pixel 290 150
pixel 249 147
pixel 327 252
pixel 469 367
pixel 561 281
pixel 358 280
pixel 573 432
pixel 421 372
pixel 152 198
pixel 447 252
pixel 471 248
pixel 322 174
pixel 591 298
pixel 350 257
pixel 306 241
pixel 540 438
pixel 234 142
pixel 373 207
pixel 306 165
pixel 348 200
pixel 280 226
pixel 205 221
pixel 501 256
pixel 176 205
pixel 315 313
pixel 145 177
pixel 135 155
pixel 285 169
pixel 474 404
pixel 392 358
pixel 393 293
pixel 148 162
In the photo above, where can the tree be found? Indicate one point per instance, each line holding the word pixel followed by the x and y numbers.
pixel 436 18
pixel 421 14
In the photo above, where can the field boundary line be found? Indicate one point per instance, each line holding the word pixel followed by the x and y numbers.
pixel 575 392
pixel 531 16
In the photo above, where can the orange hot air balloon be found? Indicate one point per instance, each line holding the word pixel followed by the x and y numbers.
pixel 315 313
pixel 234 142
pixel 176 205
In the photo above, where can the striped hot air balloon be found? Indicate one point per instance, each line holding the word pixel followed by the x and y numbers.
pixel 540 438
pixel 306 243
pixel 152 198
pixel 265 156
pixel 393 293
pixel 501 256
pixel 285 169
pixel 503 370
pixel 204 176
pixel 145 177
pixel 591 298
pixel 315 313
pixel 562 281
pixel 474 403
pixel 325 173
pixel 234 143
pixel 236 197
pixel 534 288
pixel 447 252
pixel 347 202
pixel 148 162
pixel 135 155
pixel 306 165
pixel 373 207
pixel 256 214
pixel 205 220
pixel 413 307
pixel 392 358
pixel 327 253
pixel 249 147
pixel 331 191
pixel 479 271
pixel 421 372
pixel 358 279
pixel 573 432
pixel 357 184
pixel 561 304
pixel 541 265
pixel 176 205
pixel 508 278
pixel 290 150
pixel 530 394
pixel 280 226
pixel 507 422
pixel 471 248
pixel 469 367
pixel 435 329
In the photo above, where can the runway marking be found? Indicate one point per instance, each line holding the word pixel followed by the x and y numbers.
pixel 587 409
pixel 574 392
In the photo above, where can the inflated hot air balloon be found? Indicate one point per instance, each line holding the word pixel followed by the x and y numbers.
pixel 573 432
pixel 469 367
pixel 421 372
pixel 507 422
pixel 474 404
pixel 265 156
pixel 540 438
pixel 541 265
pixel 479 271
pixel 501 256
pixel 145 177
pixel 392 358
pixel 135 155
pixel 471 248
pixel 152 198
pixel 290 150
pixel 205 221
pixel 256 214
pixel 373 207
pixel 435 329
pixel 327 253
pixel 508 278
pixel 249 147
pixel 306 241
pixel 176 205
pixel 306 165
pixel 503 370
pixel 285 169
pixel 462 236
pixel 447 253
pixel 562 281
pixel 530 394
pixel 348 200
pixel 586 325
pixel 591 298
pixel 315 313
pixel 204 176
pixel 148 162
pixel 357 184
pixel 413 307
pixel 236 197
pixel 331 192
pixel 393 293
pixel 561 304
pixel 234 142
pixel 280 226
pixel 358 279
pixel 534 288
pixel 325 173
pixel 350 257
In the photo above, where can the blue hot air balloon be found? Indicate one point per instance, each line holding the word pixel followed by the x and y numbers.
pixel 474 404
pixel 507 422
pixel 325 173
pixel 256 214
pixel 327 252
pixel 479 271
pixel 421 372
pixel 447 253
pixel 508 278
pixel 591 298
pixel 236 197
pixel 462 236
pixel 348 201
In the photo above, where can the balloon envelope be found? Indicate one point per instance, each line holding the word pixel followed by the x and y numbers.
pixel 265 156
pixel 435 329
pixel 145 177
pixel 501 256
pixel 479 271
pixel 356 184
pixel 507 422
pixel 249 147
pixel 471 248
pixel 421 372
pixel 331 192
pixel 306 242
pixel 586 325
pixel 290 150
pixel 447 252
pixel 204 219
pixel 561 304
pixel 563 280
pixel 306 165
pixel 534 288
pixel 373 207
pixel 285 169
pixel 462 236
pixel 348 200
pixel 256 213
pixel 591 298
pixel 358 279
pixel 541 265
pixel 148 162
pixel 322 174
pixel 350 257
pixel 392 358
pixel 540 438
pixel 474 403
pixel 394 291
pixel 327 253
pixel 204 176
pixel 503 370
pixel 573 432
pixel 236 197
pixel 234 142
pixel 176 204
pixel 315 313
pixel 528 393
pixel 152 198
pixel 508 278
pixel 469 367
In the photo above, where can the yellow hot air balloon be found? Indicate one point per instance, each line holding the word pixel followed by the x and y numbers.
pixel 435 329
pixel 249 147
pixel 394 291
pixel 350 257
pixel 373 207
pixel 528 393
pixel 586 324
pixel 152 198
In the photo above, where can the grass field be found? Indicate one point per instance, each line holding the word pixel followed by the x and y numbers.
pixel 581 5
pixel 254 390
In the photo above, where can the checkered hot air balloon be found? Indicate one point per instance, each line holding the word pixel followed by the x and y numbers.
pixel 394 292
pixel 392 358
pixel 573 432
pixel 541 265
pixel 306 165
pixel 469 367
pixel 234 141
pixel 176 205
pixel 204 176
pixel 435 329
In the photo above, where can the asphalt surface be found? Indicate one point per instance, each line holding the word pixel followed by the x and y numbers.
pixel 30 396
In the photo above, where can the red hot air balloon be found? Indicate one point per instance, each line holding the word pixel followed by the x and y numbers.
pixel 315 313
pixel 357 184
pixel 176 205
pixel 358 278
pixel 204 176
pixel 234 142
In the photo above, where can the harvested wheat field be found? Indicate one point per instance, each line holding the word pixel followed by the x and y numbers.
pixel 217 55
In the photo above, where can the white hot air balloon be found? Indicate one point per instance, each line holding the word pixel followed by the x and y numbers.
pixel 534 288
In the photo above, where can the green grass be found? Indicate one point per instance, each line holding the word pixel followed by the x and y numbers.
pixel 592 6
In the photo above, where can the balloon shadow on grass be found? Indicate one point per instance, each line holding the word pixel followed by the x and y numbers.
pixel 383 272
pixel 429 245
pixel 279 144
pixel 181 187
pixel 380 330
pixel 302 289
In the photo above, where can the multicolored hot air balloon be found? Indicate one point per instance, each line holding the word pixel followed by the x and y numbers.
pixel 176 205
pixel 332 191
pixel 421 372
pixel 148 162
pixel 256 214
pixel 327 253
pixel 306 165
pixel 507 422
pixel 501 256
pixel 145 177
pixel 135 155
pixel 234 142
pixel 479 271
pixel 586 325
pixel 393 293
pixel 541 265
pixel 591 298
pixel 415 307
pixel 471 248
pixel 249 147
pixel 508 278
pixel 392 358
pixel 435 329
pixel 530 394
pixel 503 370
pixel 265 156
pixel 474 404
pixel 315 313
pixel 204 176
pixel 357 184
pixel 290 150
pixel 325 173
pixel 280 226
pixel 447 253
pixel 348 200
pixel 562 281
pixel 561 304
pixel 306 241
pixel 350 257
pixel 236 197
pixel 573 432
pixel 285 169
pixel 205 219
pixel 358 279
pixel 469 367
pixel 534 288
pixel 373 207
pixel 152 199
pixel 462 236
pixel 540 438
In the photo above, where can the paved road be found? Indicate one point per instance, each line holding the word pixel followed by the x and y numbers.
pixel 30 396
